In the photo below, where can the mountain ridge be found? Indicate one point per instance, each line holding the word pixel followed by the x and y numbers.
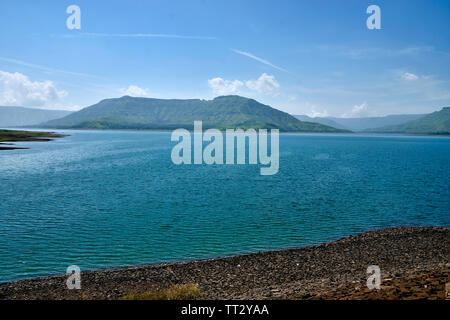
pixel 12 116
pixel 437 123
pixel 222 112
pixel 362 124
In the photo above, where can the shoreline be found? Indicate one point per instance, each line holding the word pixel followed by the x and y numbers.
pixel 409 258
pixel 346 134
pixel 7 136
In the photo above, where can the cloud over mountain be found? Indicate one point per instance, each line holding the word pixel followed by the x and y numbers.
pixel 224 87
pixel 265 84
pixel 134 91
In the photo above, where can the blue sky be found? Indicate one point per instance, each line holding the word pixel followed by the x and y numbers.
pixel 302 57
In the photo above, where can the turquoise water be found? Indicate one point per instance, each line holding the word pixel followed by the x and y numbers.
pixel 102 199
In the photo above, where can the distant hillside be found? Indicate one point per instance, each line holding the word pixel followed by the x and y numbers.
pixel 20 116
pixel 147 113
pixel 362 124
pixel 434 123
pixel 324 121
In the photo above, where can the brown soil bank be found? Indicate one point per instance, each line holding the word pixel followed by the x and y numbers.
pixel 414 263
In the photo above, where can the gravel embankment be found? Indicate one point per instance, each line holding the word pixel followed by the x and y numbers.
pixel 408 258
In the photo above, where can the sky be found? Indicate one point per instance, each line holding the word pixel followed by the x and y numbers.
pixel 317 58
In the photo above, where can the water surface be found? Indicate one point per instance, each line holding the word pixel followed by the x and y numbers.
pixel 102 199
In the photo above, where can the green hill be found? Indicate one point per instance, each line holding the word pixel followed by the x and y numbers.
pixel 434 123
pixel 147 113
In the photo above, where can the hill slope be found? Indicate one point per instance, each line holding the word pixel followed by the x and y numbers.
pixel 20 116
pixel 362 124
pixel 148 113
pixel 434 123
pixel 324 121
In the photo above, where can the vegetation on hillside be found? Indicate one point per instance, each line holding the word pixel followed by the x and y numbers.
pixel 434 123
pixel 362 123
pixel 161 114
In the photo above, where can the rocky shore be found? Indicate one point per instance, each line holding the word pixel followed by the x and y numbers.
pixel 414 263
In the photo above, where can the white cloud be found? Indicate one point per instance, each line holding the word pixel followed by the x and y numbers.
pixel 17 89
pixel 306 108
pixel 264 84
pixel 46 69
pixel 357 111
pixel 360 53
pixel 311 110
pixel 224 87
pixel 359 108
pixel 134 91
pixel 315 113
pixel 248 54
pixel 409 76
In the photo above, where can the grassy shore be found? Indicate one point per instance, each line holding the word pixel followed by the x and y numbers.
pixel 23 136
pixel 414 263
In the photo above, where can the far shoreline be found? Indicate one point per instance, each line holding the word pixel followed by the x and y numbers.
pixel 305 133
pixel 8 136
pixel 332 134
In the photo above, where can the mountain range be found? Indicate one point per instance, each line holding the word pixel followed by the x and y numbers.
pixel 20 116
pixel 362 124
pixel 437 122
pixel 222 113
pixel 165 114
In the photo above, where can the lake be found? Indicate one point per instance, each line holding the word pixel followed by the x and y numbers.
pixel 105 199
